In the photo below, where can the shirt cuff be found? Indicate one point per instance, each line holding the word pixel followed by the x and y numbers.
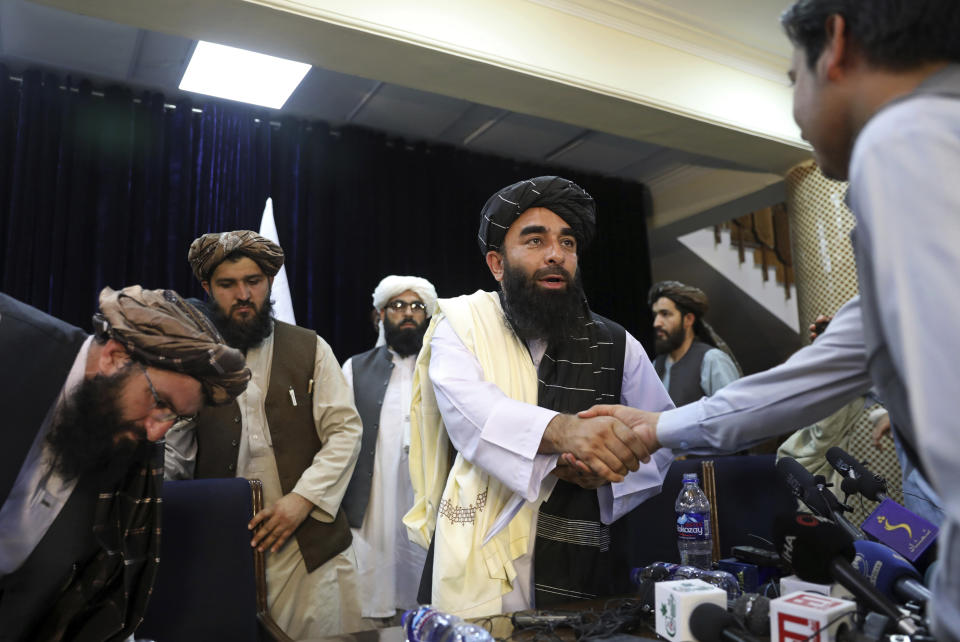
pixel 679 428
pixel 517 427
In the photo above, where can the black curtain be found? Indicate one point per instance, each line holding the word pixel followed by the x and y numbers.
pixel 99 191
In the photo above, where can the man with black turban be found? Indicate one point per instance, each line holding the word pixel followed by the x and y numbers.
pixel 523 517
pixel 295 428
pixel 81 466
pixel 692 361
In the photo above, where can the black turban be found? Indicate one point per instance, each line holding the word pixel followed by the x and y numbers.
pixel 564 198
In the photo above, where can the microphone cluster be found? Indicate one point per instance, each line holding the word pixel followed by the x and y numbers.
pixel 882 595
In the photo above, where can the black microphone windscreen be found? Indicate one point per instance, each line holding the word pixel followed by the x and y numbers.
pixel 708 621
pixel 840 460
pixel 753 611
pixel 803 484
pixel 867 484
pixel 809 544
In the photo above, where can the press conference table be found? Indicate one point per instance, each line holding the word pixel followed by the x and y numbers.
pixel 502 627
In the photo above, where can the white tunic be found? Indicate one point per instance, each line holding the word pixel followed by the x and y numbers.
pixel 390 565
pixel 326 601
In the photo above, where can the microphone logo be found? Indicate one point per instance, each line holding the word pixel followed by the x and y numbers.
pixel 787 551
pixel 805 519
pixel 669 611
pixel 882 519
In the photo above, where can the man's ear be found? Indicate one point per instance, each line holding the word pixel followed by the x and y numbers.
pixel 113 358
pixel 270 281
pixel 206 286
pixel 688 320
pixel 495 263
pixel 835 58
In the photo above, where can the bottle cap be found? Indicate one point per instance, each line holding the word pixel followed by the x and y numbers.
pixel 687 477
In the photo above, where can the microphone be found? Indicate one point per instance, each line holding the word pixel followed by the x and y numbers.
pixel 899 528
pixel 712 623
pixel 868 484
pixel 821 551
pixel 753 611
pixel 890 572
pixel 813 492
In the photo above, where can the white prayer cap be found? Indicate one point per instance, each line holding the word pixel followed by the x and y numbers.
pixel 395 285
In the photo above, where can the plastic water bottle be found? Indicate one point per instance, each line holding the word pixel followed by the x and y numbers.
pixel 694 537
pixel 427 624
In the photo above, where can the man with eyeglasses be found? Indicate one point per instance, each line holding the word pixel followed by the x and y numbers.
pixel 295 429
pixel 81 466
pixel 380 492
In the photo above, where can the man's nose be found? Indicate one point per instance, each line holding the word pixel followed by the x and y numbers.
pixel 157 429
pixel 555 254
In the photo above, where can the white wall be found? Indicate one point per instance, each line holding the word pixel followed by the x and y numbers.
pixel 724 258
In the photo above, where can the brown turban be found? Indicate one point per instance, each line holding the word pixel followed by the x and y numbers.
pixel 689 298
pixel 162 330
pixel 208 251
pixel 564 198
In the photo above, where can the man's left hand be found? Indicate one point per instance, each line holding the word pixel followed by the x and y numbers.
pixel 572 470
pixel 278 522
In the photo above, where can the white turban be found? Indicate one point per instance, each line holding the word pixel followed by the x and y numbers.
pixel 394 285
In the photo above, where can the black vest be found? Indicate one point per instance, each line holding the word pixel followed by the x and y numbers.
pixel 371 375
pixel 576 556
pixel 294 435
pixel 684 374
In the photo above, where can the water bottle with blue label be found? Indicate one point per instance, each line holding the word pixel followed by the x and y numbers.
pixel 427 624
pixel 694 538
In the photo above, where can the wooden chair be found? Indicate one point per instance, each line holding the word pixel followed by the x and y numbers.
pixel 211 585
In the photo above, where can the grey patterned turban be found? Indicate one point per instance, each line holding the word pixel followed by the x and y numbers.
pixel 208 251
pixel 564 198
pixel 164 331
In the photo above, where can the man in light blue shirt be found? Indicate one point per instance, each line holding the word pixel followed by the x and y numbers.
pixel 692 361
pixel 877 94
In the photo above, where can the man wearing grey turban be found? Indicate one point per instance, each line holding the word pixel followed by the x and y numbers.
pixel 380 492
pixel 81 466
pixel 295 428
pixel 509 370
pixel 692 360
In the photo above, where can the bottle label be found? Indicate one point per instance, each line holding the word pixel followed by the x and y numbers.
pixel 693 526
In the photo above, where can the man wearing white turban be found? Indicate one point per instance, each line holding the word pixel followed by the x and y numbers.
pixel 380 491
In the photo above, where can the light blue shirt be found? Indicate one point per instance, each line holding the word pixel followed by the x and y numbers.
pixel 716 370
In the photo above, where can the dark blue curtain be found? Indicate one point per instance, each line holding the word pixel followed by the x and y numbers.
pixel 99 191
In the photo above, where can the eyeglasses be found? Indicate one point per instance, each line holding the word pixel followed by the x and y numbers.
pixel 399 306
pixel 166 412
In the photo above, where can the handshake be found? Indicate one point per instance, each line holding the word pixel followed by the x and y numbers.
pixel 601 444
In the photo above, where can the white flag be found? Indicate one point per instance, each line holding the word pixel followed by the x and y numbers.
pixel 283 303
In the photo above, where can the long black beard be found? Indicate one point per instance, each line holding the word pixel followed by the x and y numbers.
pixel 673 341
pixel 244 335
pixel 84 437
pixel 536 313
pixel 404 341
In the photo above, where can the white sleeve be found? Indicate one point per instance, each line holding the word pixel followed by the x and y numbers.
pixel 812 384
pixel 491 430
pixel 180 452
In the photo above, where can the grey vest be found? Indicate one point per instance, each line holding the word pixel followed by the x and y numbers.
pixel 371 375
pixel 883 372
pixel 684 374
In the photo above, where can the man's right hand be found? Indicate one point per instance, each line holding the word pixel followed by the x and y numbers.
pixel 607 446
pixel 641 422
